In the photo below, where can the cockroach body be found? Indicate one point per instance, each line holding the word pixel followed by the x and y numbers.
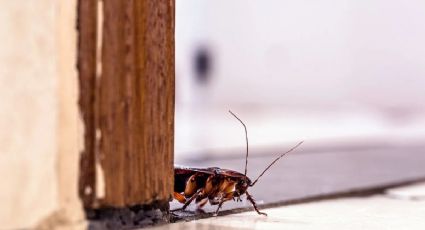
pixel 214 184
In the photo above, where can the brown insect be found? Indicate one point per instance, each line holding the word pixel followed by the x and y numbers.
pixel 214 184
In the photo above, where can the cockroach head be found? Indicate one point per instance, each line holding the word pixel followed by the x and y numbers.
pixel 248 181
pixel 243 184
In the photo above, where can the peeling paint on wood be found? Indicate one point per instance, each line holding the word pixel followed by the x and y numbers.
pixel 86 24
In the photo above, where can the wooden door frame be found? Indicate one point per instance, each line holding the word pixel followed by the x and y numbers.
pixel 126 101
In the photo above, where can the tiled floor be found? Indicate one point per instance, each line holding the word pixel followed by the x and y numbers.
pixel 343 151
pixel 303 174
pixel 401 208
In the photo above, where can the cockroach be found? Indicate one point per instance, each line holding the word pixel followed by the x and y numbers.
pixel 215 184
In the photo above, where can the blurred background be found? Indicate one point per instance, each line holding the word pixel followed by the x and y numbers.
pixel 333 73
pixel 339 75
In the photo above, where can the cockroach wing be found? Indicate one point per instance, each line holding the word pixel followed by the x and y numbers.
pixel 178 169
pixel 234 175
pixel 230 173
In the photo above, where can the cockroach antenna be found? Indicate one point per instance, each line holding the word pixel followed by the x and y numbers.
pixel 270 165
pixel 246 137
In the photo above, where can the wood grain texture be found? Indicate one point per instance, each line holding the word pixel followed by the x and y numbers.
pixel 86 63
pixel 134 105
pixel 128 110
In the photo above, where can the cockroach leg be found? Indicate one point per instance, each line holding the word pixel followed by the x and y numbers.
pixel 191 185
pixel 219 206
pixel 222 198
pixel 237 195
pixel 179 197
pixel 249 197
pixel 191 199
pixel 201 203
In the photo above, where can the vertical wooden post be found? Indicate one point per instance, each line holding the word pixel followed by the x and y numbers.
pixel 130 119
pixel 136 104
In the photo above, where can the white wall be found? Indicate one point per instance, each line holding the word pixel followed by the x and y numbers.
pixel 331 72
pixel 39 118
pixel 305 53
